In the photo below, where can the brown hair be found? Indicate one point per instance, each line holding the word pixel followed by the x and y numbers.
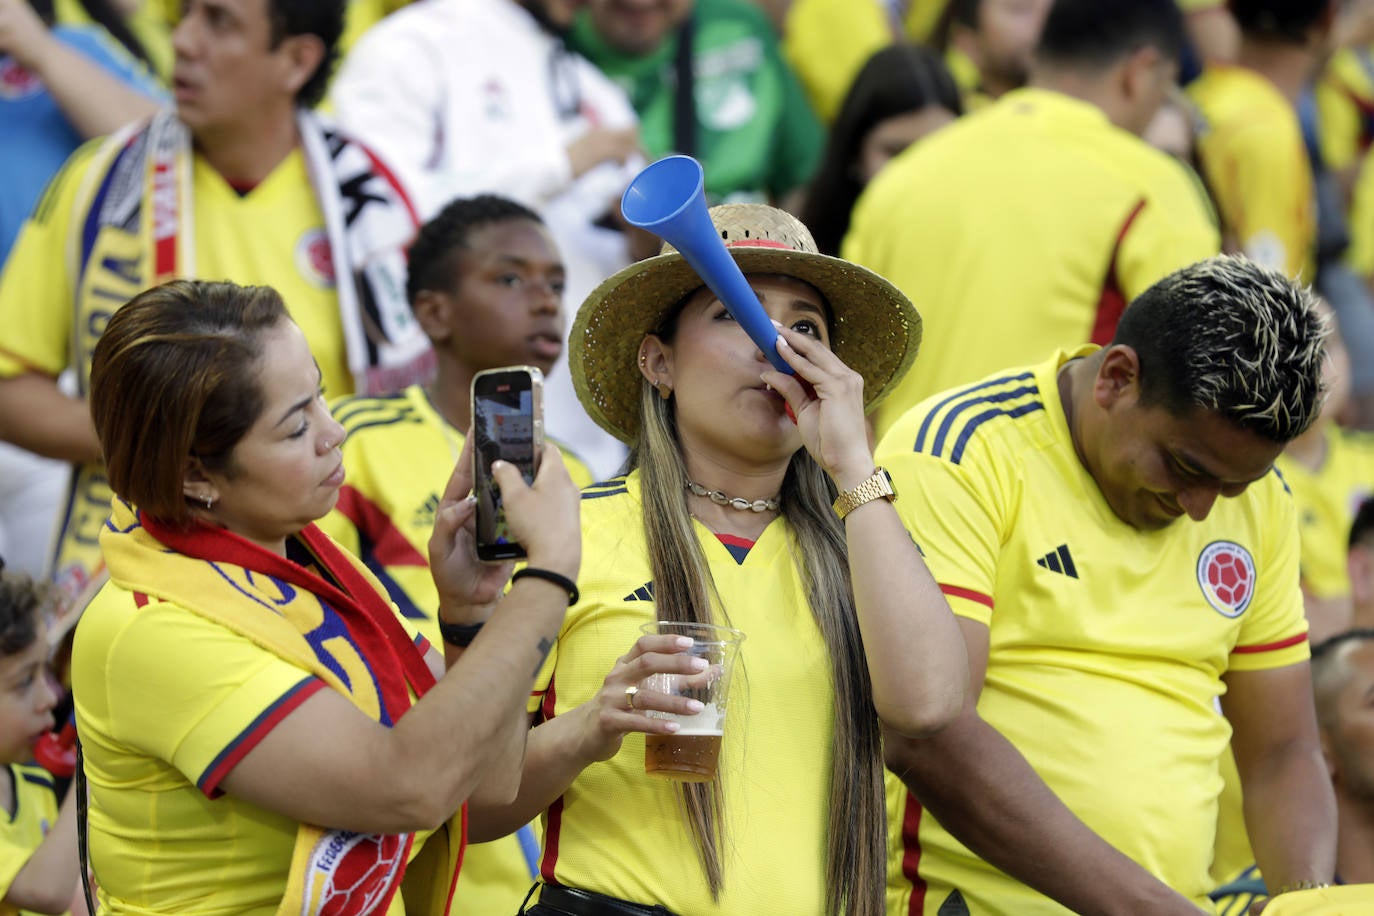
pixel 23 604
pixel 174 380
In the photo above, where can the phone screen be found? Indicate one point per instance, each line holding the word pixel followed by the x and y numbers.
pixel 506 426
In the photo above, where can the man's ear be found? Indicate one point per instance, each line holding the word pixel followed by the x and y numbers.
pixel 1118 377
pixel 1136 74
pixel 1333 769
pixel 302 55
pixel 1359 563
pixel 433 310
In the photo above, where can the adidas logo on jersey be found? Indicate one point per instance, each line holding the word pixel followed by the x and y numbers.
pixel 1059 561
pixel 424 515
pixel 644 593
pixel 954 905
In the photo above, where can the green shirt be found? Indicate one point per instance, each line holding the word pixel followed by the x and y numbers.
pixel 756 135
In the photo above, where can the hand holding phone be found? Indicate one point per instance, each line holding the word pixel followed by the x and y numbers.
pixel 507 425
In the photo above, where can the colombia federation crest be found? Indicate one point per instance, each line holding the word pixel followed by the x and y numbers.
pixel 1226 574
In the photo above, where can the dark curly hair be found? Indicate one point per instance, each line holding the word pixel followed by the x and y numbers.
pixel 22 603
pixel 442 239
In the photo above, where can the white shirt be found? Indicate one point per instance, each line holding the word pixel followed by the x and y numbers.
pixel 471 97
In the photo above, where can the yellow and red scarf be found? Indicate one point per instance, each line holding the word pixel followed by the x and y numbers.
pixel 333 622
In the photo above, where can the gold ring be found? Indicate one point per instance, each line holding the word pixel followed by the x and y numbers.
pixel 630 693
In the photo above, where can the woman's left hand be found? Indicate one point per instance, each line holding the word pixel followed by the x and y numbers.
pixel 468 588
pixel 827 399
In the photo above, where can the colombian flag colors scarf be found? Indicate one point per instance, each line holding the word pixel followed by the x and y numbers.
pixel 279 604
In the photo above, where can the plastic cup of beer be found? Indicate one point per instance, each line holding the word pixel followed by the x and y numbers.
pixel 693 752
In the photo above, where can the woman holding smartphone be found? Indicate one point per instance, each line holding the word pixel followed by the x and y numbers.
pixel 242 683
pixel 725 516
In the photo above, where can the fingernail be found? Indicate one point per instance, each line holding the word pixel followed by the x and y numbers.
pixel 672 726
pixel 695 706
pixel 782 342
pixel 777 324
pixel 697 664
pixel 683 642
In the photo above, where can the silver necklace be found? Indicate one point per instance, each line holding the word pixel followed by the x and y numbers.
pixel 734 502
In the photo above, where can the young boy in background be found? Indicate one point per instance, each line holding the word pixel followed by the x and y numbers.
pixel 38 858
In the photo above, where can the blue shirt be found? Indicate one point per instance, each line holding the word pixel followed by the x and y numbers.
pixel 35 136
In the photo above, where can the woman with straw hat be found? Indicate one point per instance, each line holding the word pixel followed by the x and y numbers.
pixel 733 513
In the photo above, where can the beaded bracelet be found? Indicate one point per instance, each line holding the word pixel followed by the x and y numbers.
pixel 548 575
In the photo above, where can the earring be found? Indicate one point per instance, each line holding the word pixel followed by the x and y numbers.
pixel 209 502
pixel 664 390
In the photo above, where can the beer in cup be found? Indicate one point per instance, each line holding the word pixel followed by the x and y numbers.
pixel 692 754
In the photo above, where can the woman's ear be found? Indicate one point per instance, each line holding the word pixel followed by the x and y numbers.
pixel 656 361
pixel 196 486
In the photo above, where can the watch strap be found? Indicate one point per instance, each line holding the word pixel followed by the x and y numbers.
pixel 877 485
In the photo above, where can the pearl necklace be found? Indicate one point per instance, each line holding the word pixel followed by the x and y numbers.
pixel 734 502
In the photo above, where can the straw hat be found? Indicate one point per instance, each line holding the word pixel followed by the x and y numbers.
pixel 877 330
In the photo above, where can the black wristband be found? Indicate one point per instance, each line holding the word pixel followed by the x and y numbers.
pixel 459 634
pixel 548 575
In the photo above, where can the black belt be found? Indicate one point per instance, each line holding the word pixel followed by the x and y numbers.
pixel 576 902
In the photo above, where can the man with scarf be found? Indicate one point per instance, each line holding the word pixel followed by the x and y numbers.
pixel 241 180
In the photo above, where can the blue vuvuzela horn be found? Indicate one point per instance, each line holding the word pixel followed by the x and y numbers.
pixel 668 198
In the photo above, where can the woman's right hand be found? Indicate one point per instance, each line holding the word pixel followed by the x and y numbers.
pixel 545 517
pixel 608 716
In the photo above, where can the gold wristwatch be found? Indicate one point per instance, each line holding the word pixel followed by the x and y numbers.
pixel 876 486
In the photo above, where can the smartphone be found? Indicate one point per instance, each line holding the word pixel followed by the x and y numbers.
pixel 507 423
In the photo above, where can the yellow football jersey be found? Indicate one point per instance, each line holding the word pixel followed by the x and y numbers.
pixel 1327 500
pixel 22 831
pixel 1345 107
pixel 1025 226
pixel 1255 162
pixel 208 697
pixel 398 457
pixel 272 235
pixel 1107 643
pixel 614 827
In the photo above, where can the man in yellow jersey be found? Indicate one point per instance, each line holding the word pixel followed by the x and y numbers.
pixel 990 45
pixel 241 181
pixel 486 283
pixel 1330 471
pixel 1032 224
pixel 1212 30
pixel 1360 563
pixel 1102 624
pixel 1251 150
pixel 1342 678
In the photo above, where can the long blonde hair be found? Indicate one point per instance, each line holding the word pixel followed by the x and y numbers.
pixel 684 590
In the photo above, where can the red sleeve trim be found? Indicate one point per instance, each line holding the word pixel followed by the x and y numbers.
pixel 967 594
pixel 258 729
pixel 1270 646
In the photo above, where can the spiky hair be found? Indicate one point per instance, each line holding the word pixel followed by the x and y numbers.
pixel 1231 336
